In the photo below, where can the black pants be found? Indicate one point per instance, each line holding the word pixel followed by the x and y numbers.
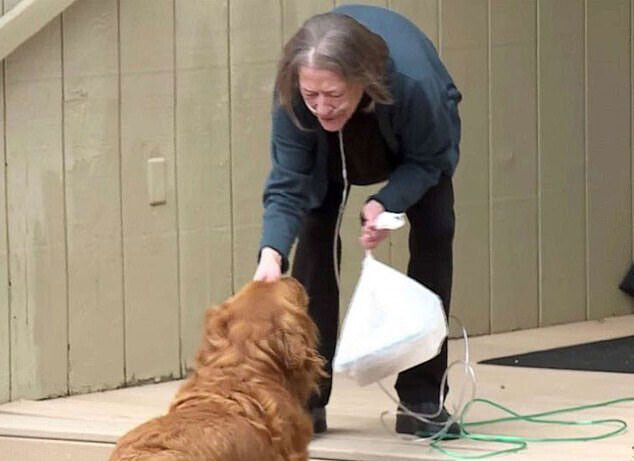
pixel 432 226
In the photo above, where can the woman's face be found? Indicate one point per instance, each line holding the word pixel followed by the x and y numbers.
pixel 329 96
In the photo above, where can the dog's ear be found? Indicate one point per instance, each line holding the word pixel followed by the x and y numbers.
pixel 295 350
pixel 217 321
pixel 303 364
pixel 214 339
pixel 299 353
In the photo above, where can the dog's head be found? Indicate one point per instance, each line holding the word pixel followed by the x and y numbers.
pixel 266 327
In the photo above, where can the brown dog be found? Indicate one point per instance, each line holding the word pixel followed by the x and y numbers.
pixel 246 398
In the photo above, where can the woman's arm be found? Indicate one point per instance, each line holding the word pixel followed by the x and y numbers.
pixel 286 193
pixel 426 133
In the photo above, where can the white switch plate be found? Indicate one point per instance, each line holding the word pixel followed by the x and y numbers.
pixel 156 174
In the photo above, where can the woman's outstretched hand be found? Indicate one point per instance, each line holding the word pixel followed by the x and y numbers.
pixel 270 266
pixel 370 235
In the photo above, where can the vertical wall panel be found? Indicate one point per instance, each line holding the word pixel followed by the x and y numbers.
pixel 562 159
pixel 35 198
pixel 255 44
pixel 203 174
pixel 514 296
pixel 425 15
pixel 352 254
pixel 93 198
pixel 465 52
pixel 149 232
pixel 609 156
pixel 295 12
pixel 5 357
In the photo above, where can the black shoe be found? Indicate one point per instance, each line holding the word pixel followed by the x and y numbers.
pixel 319 420
pixel 408 424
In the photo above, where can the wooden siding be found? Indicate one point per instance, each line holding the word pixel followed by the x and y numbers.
pixel 134 140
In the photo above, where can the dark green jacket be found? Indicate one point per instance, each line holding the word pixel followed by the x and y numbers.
pixel 421 128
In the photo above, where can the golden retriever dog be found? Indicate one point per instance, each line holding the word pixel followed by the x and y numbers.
pixel 246 398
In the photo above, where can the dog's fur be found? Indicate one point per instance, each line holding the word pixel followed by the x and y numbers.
pixel 246 399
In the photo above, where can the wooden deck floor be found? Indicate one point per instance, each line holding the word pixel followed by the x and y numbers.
pixel 85 427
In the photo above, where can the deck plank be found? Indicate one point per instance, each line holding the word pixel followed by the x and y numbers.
pixel 86 426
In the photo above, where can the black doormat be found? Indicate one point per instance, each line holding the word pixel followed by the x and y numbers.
pixel 612 355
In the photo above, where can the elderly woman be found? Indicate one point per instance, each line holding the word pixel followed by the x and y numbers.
pixel 362 97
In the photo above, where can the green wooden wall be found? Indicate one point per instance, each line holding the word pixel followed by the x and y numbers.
pixel 135 134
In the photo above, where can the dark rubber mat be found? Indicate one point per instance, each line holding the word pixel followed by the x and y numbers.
pixel 612 355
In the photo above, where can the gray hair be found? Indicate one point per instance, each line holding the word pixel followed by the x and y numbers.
pixel 337 43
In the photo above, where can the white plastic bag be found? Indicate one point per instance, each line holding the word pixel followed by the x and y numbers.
pixel 393 323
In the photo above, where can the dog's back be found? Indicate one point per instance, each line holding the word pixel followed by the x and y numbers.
pixel 193 435
pixel 246 398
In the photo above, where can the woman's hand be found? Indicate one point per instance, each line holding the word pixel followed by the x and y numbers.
pixel 270 266
pixel 370 235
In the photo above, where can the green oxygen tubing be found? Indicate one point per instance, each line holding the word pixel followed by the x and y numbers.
pixel 617 426
pixel 441 441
